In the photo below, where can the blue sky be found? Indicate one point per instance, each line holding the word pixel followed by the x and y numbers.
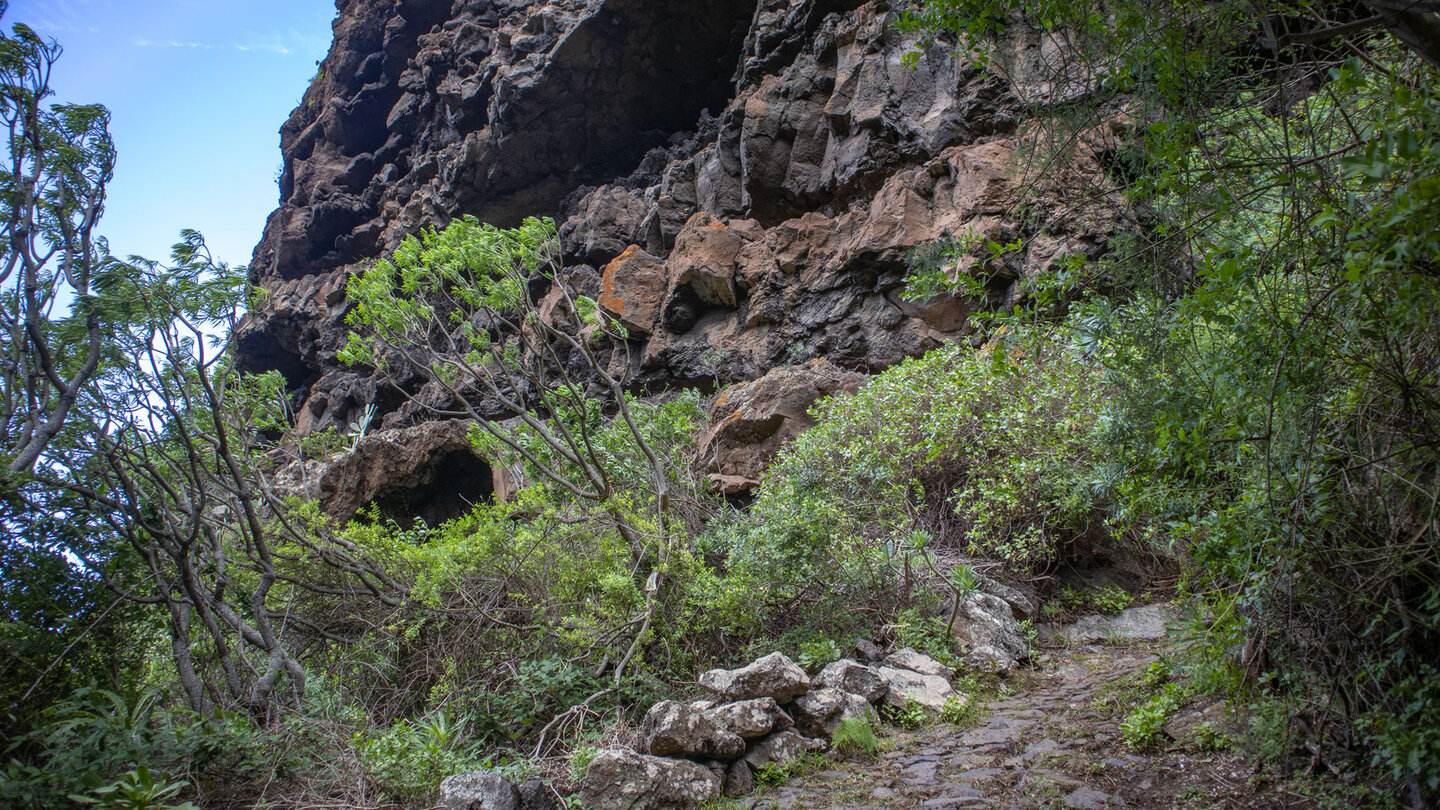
pixel 197 90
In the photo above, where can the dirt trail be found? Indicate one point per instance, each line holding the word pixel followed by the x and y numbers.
pixel 1046 744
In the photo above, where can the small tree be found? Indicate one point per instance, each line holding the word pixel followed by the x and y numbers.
pixel 533 376
pixel 165 456
pixel 52 189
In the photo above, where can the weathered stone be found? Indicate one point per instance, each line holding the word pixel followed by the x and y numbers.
pixel 774 676
pixel 819 712
pixel 869 650
pixel 536 795
pixel 987 627
pixel 905 686
pixel 750 422
pixel 620 779
pixel 633 288
pixel 918 662
pixel 1182 726
pixel 853 677
pixel 778 749
pixel 739 779
pixel 478 790
pixel 674 729
pixel 1147 623
pixel 1087 798
pixel 1021 600
pixel 750 718
pixel 703 261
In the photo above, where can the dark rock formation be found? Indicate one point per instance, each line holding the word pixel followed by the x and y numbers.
pixel 427 471
pixel 746 176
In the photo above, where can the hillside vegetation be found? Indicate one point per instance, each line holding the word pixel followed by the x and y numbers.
pixel 1243 387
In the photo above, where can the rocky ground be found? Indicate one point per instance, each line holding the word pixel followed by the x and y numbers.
pixel 1050 739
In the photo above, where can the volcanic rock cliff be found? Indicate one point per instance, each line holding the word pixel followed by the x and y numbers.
pixel 737 180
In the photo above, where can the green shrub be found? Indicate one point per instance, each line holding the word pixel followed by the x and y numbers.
pixel 912 715
pixel 1143 726
pixel 137 789
pixel 1110 599
pixel 986 449
pixel 411 758
pixel 960 710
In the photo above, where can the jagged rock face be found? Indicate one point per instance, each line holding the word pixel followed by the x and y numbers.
pixel 739 181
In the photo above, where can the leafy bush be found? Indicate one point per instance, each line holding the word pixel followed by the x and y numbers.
pixel 1143 726
pixel 912 715
pixel 412 757
pixel 987 449
pixel 119 750
pixel 960 710
pixel 134 790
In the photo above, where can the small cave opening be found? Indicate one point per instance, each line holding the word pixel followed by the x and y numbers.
pixel 450 488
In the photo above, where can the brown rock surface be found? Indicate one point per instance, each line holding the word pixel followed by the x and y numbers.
pixel 633 287
pixel 751 421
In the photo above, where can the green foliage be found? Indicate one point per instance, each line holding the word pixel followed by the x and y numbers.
pixel 324 443
pixel 960 710
pixel 930 635
pixel 412 757
pixel 912 715
pixel 855 737
pixel 959 266
pixel 1143 726
pixel 134 790
pixel 1104 599
pixel 1269 328
pixel 112 749
pixel 814 655
pixel 987 449
pixel 778 773
pixel 1208 739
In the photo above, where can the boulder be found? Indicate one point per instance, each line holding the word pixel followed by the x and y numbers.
pixel 674 729
pixel 1021 599
pixel 778 749
pixel 993 638
pixel 703 261
pixel 774 676
pixel 620 779
pixel 750 422
pixel 1147 623
pixel 918 662
pixel 819 712
pixel 853 677
pixel 1182 726
pixel 739 779
pixel 906 686
pixel 749 719
pixel 869 650
pixel 632 288
pixel 478 790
